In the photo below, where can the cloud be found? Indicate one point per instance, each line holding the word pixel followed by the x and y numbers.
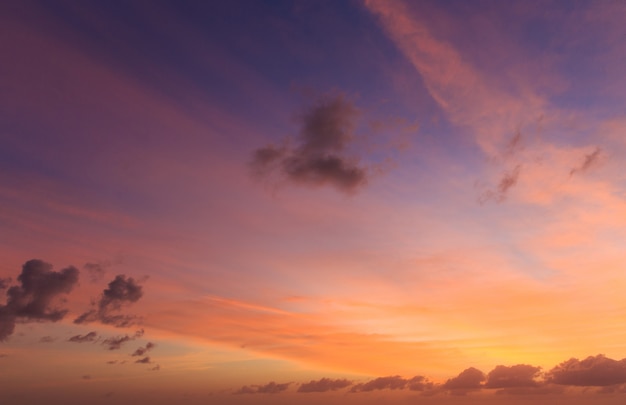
pixel 86 377
pixel 145 360
pixel 96 271
pixel 520 375
pixel 143 350
pixel 508 180
pixel 122 291
pixel 269 388
pixel 592 371
pixel 4 283
pixel 323 385
pixel 419 383
pixel 319 157
pixel 391 382
pixel 115 343
pixel 33 299
pixel 469 379
pixel 89 337
pixel 589 161
pixel 156 368
pixel 47 339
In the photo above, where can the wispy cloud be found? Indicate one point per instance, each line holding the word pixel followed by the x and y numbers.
pixel 269 388
pixel 89 337
pixel 115 343
pixel 588 162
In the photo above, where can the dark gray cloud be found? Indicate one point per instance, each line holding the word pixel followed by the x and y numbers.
pixel 589 161
pixel 507 181
pixel 89 337
pixel 269 388
pixel 319 158
pixel 469 379
pixel 122 291
pixel 4 283
pixel 47 339
pixel 115 343
pixel 143 350
pixel 520 375
pixel 324 384
pixel 592 371
pixel 145 360
pixel 34 298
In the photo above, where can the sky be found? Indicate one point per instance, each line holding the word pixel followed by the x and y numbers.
pixel 338 202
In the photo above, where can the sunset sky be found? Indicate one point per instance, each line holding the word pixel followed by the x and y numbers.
pixel 312 201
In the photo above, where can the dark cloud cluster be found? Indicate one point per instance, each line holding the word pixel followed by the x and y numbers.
pixel 34 298
pixel 122 291
pixel 269 388
pixel 520 379
pixel 324 384
pixel 319 157
pixel 592 371
pixel 145 360
pixel 115 343
pixel 589 161
pixel 89 337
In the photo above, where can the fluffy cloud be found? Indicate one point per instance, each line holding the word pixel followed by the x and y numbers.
pixel 34 298
pixel 469 379
pixel 319 157
pixel 323 385
pixel 592 371
pixel 520 375
pixel 122 291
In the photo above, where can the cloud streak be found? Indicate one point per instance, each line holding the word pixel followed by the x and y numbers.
pixel 589 161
